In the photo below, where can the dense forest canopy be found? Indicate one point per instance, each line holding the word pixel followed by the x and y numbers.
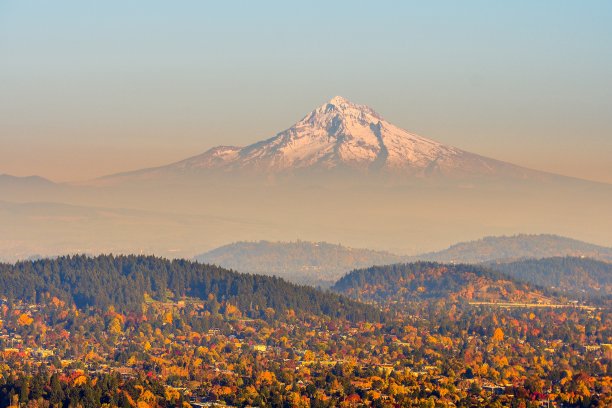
pixel 578 276
pixel 427 280
pixel 432 348
pixel 123 281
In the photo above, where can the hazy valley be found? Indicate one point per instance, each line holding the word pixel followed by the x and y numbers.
pixel 341 174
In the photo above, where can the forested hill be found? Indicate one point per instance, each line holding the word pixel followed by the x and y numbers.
pixel 581 277
pixel 312 263
pixel 512 248
pixel 123 281
pixel 429 280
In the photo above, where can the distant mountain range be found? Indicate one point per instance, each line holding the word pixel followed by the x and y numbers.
pixel 342 172
pixel 312 263
pixel 341 135
pixel 510 248
pixel 321 263
pixel 9 181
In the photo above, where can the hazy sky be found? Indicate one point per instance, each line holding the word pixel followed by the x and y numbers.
pixel 91 88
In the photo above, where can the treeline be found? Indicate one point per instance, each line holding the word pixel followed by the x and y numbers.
pixel 122 281
pixel 582 277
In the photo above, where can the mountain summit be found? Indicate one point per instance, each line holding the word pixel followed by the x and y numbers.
pixel 342 135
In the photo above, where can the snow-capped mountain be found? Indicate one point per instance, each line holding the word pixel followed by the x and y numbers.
pixel 345 136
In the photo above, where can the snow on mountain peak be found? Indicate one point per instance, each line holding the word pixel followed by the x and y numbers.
pixel 339 106
pixel 338 100
pixel 342 134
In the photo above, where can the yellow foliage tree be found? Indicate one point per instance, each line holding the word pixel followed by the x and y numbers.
pixel 115 326
pixel 374 395
pixel 266 377
pixel 131 361
pixel 309 356
pixel 80 380
pixel 231 310
pixel 168 318
pixel 172 394
pixel 91 355
pixel 24 320
pixel 295 399
pixel 498 335
pixel 148 397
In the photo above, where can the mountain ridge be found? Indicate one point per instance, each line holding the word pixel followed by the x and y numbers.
pixel 340 135
pixel 33 180
pixel 314 263
pixel 322 263
pixel 124 282
pixel 515 247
